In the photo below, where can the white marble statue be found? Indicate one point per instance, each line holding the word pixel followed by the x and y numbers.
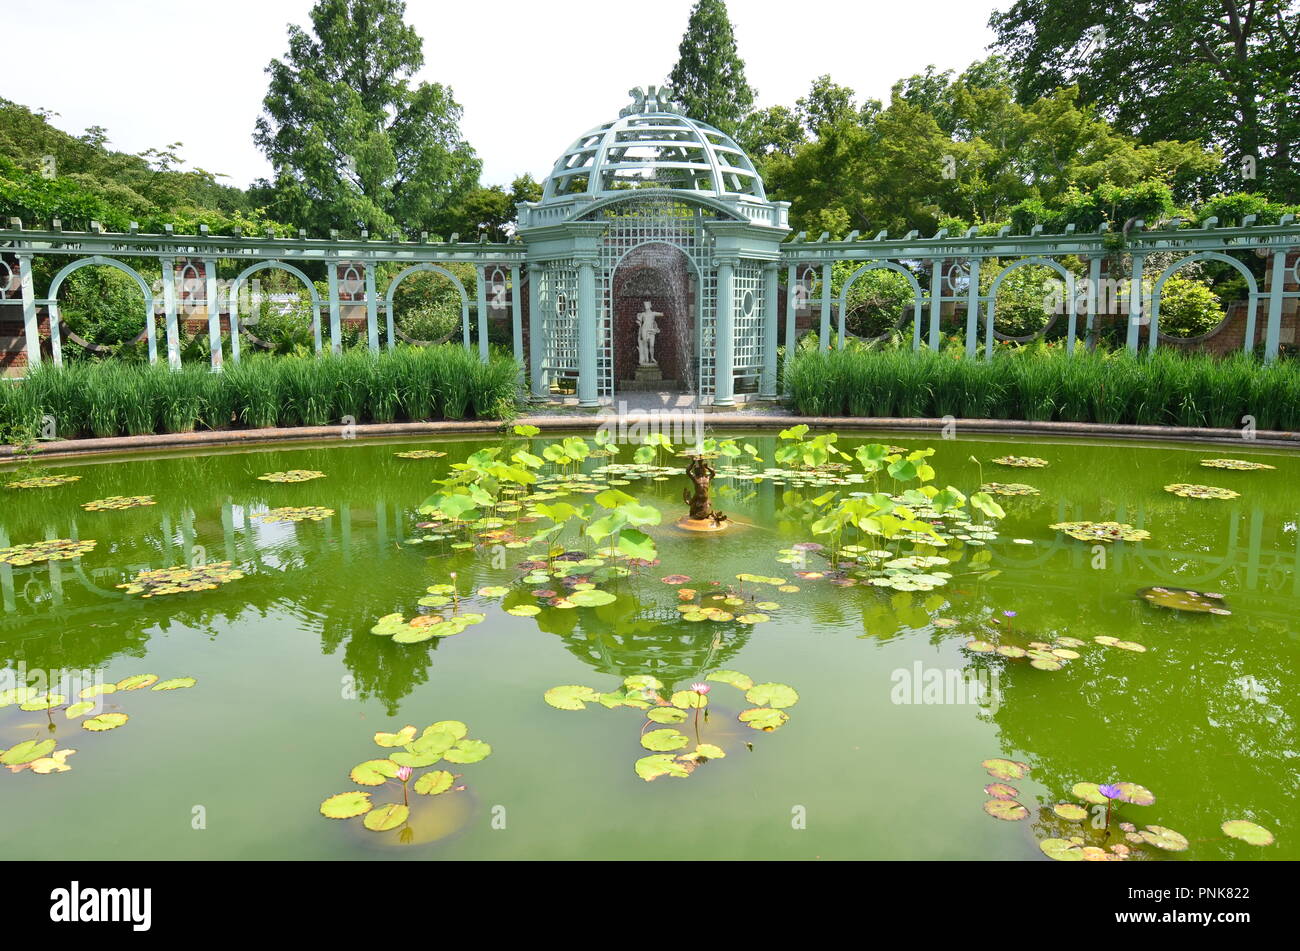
pixel 646 331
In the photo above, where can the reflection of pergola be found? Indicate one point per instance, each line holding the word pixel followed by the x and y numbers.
pixel 656 641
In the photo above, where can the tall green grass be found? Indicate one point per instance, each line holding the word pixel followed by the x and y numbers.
pixel 407 384
pixel 1167 388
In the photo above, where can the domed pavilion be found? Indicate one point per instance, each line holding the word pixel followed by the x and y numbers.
pixel 653 257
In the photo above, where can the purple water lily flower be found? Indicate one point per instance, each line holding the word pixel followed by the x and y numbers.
pixel 1111 791
pixel 1008 613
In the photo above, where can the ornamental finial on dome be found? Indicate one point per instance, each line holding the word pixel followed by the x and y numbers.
pixel 651 99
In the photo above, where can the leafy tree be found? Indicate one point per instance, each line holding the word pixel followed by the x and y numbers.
pixel 351 140
pixel 826 104
pixel 1223 71
pixel 709 78
pixel 493 211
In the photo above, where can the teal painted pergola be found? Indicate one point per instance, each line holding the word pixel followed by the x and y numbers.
pixel 655 205
pixel 654 180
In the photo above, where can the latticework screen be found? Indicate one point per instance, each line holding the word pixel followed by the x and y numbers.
pixel 642 221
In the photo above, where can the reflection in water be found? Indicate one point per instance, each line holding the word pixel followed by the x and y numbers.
pixel 1214 697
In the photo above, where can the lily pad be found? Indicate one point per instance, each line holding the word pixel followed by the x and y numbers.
pixel 346 805
pixel 1070 811
pixel 26 752
pixel 104 721
pixel 373 772
pixel 1163 838
pixel 662 741
pixel 468 751
pixel 403 736
pixel 176 683
pixel 1138 795
pixel 1005 769
pixel 434 783
pixel 1001 791
pixel 733 677
pixel 1188 490
pixel 570 697
pixel 765 719
pixel 386 817
pixel 1061 850
pixel 772 695
pixel 1006 809
pixel 1248 832
pixel 651 768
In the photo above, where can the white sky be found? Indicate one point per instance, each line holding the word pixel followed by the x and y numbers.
pixel 532 75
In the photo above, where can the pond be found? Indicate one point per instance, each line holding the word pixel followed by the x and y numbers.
pixel 901 689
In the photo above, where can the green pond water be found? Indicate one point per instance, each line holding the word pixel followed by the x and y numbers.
pixel 292 684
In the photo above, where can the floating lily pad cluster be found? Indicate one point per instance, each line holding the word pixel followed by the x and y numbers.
pixel 1185 599
pixel 43 482
pixel 1102 531
pixel 1039 654
pixel 292 475
pixel 446 741
pixel 1021 462
pixel 58 549
pixel 663 709
pixel 745 606
pixel 182 579
pixel 1239 465
pixel 1008 488
pixel 41 756
pixel 420 454
pixel 1188 490
pixel 294 513
pixel 115 503
pixel 1003 804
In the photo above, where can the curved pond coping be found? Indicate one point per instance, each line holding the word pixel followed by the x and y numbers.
pixel 68 448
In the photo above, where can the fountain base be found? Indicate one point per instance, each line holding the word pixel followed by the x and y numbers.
pixel 701 524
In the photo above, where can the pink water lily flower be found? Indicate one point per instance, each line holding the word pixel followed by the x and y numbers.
pixel 701 689
pixel 404 773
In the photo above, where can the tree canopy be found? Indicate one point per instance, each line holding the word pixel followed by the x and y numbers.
pixel 709 78
pixel 1224 72
pixel 352 141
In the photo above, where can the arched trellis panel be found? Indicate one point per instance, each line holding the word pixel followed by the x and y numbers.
pixel 917 299
pixel 1157 291
pixel 698 318
pixel 1070 304
pixel 151 335
pixel 232 304
pixel 434 268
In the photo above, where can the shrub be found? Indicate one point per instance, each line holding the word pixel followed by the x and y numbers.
pixel 110 398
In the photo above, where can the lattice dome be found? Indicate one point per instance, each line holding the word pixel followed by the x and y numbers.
pixel 652 145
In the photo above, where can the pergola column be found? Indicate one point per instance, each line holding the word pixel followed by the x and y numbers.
pixel 31 327
pixel 480 308
pixel 767 387
pixel 725 335
pixel 169 313
pixel 588 333
pixel 824 342
pixel 536 339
